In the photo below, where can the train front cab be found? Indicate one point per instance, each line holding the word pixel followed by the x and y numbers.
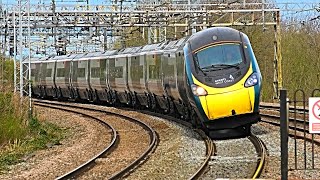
pixel 224 96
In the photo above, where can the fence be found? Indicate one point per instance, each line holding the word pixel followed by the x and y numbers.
pixel 293 113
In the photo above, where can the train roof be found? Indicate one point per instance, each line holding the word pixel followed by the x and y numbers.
pixel 176 44
pixel 129 50
pixel 153 47
pixel 214 35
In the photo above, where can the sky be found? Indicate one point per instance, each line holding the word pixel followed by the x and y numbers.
pixel 104 1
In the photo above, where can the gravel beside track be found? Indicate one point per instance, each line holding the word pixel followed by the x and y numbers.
pixel 235 158
pixel 179 154
pixel 134 140
pixel 85 139
pixel 271 136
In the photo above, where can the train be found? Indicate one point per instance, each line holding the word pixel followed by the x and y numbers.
pixel 210 78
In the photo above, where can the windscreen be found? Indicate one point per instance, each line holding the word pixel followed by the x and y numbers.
pixel 217 55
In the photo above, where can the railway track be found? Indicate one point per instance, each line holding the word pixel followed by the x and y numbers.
pixel 262 154
pixel 88 166
pixel 238 158
pixel 210 147
pixel 298 124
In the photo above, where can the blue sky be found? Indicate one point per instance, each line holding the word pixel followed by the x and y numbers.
pixel 105 1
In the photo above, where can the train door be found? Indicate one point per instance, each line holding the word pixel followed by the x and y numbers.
pixel 137 79
pixel 118 79
pixel 154 78
pixel 62 78
pixel 169 74
pixel 98 78
pixel 35 77
pixel 42 79
pixel 50 85
pixel 74 91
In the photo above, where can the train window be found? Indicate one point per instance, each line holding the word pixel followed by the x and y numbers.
pixel 48 72
pixel 95 72
pixel 154 72
pixel 81 72
pixel 33 72
pixel 225 54
pixel 60 72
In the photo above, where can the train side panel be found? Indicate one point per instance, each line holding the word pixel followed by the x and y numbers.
pixel 62 78
pixel 118 78
pixel 80 79
pixel 47 78
pixel 35 68
pixel 98 78
pixel 137 79
pixel 155 81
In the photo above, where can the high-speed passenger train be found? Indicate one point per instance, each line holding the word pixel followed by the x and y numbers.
pixel 211 78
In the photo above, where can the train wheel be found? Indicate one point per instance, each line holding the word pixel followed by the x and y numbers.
pixel 148 101
pixel 55 93
pixel 194 121
pixel 153 102
pixel 247 129
pixel 134 100
pixel 129 99
pixel 114 98
pixel 96 97
pixel 60 95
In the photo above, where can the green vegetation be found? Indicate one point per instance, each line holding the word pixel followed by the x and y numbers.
pixel 20 135
pixel 38 136
pixel 300 58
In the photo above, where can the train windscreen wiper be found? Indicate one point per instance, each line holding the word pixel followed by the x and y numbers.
pixel 216 67
pixel 197 62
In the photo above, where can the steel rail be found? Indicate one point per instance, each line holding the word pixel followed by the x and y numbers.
pixel 277 107
pixel 262 152
pixel 292 120
pixel 152 146
pixel 210 145
pixel 73 173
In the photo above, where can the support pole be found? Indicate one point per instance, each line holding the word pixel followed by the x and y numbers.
pixel 284 133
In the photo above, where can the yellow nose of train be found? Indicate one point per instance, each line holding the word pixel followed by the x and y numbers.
pixel 224 102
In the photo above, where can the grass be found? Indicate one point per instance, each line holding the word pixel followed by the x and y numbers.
pixel 36 136
pixel 21 135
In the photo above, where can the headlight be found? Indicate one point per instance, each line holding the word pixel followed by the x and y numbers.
pixel 252 80
pixel 198 91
